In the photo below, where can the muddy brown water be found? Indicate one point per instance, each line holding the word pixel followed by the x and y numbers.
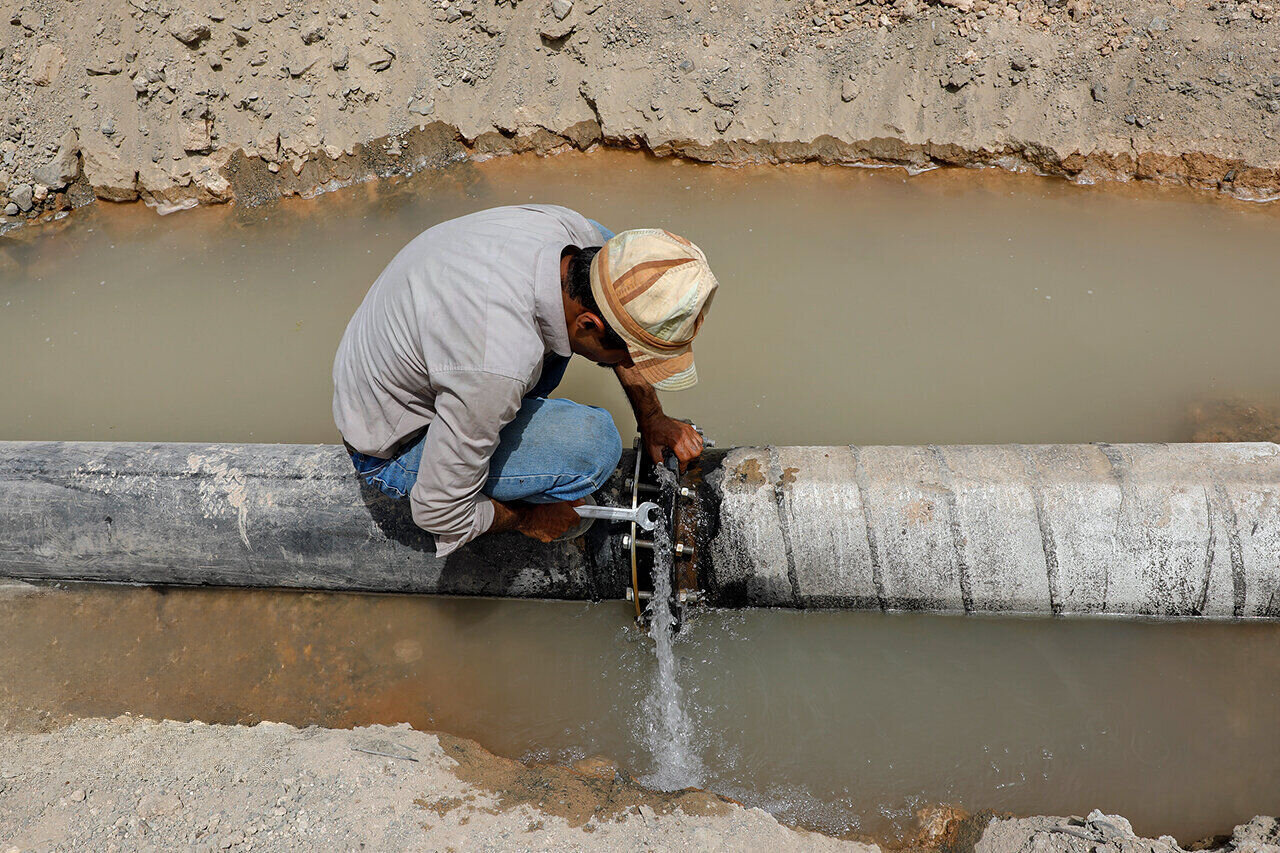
pixel 846 722
pixel 858 307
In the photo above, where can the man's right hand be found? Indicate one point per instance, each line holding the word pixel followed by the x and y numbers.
pixel 546 522
pixel 543 522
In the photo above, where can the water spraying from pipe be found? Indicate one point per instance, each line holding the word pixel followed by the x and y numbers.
pixel 668 729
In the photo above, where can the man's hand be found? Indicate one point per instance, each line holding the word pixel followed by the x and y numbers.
pixel 543 522
pixel 659 433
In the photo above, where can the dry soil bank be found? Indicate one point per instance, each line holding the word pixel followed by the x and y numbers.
pixel 179 102
pixel 134 784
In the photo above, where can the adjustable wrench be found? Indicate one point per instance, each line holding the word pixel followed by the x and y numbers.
pixel 645 516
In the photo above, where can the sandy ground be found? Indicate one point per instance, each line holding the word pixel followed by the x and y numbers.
pixel 136 784
pixel 179 102
pixel 131 784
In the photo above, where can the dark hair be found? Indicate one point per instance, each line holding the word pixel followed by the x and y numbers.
pixel 578 288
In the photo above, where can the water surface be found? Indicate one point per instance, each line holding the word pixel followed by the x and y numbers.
pixel 839 721
pixel 857 306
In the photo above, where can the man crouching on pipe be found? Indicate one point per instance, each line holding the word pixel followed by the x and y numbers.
pixel 442 378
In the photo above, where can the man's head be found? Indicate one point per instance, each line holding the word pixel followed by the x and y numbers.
pixel 653 289
pixel 590 335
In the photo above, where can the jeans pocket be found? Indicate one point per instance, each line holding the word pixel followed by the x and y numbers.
pixel 386 488
pixel 380 473
pixel 393 479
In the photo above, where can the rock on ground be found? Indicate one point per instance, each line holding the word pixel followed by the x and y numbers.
pixel 181 101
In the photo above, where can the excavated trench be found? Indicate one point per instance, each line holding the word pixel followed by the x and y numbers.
pixel 859 307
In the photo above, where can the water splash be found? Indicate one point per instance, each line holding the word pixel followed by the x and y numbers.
pixel 668 729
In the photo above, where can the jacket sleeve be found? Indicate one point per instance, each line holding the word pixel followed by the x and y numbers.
pixel 472 407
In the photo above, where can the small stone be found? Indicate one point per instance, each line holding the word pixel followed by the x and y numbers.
pixel 561 8
pixel 108 126
pixel 65 166
pixel 848 90
pixel 452 14
pixel 381 59
pixel 686 65
pixel 1110 825
pixel 1257 833
pixel 555 30
pixel 314 34
pixel 189 30
pixel 340 57
pixel 298 67
pixel 197 129
pixel 723 120
pixel 22 196
pixel 101 68
pixel 47 64
pixel 1158 25
pixel 40 192
pixel 422 106
pixel 957 79
pixel 77 796
pixel 11 209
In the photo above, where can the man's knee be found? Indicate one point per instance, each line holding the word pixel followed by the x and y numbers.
pixel 598 445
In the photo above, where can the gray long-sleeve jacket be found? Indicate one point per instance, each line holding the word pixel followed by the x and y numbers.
pixel 453 335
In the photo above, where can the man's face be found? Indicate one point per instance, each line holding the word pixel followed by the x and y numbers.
pixel 586 338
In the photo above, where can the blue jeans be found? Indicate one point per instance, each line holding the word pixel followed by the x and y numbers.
pixel 605 231
pixel 554 450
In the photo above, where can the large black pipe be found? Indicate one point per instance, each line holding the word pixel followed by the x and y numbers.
pixel 1168 530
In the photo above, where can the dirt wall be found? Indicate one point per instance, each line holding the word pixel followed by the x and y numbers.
pixel 178 103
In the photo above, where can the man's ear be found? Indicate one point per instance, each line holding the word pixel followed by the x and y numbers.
pixel 589 321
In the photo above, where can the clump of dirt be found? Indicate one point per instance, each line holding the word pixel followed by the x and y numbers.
pixel 591 790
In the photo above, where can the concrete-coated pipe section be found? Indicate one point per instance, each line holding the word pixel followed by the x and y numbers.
pixel 279 515
pixel 1190 529
pixel 1139 529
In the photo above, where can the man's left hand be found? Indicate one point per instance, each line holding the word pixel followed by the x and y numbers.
pixel 660 432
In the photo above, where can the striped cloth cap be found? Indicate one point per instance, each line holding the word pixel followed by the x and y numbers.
pixel 654 289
